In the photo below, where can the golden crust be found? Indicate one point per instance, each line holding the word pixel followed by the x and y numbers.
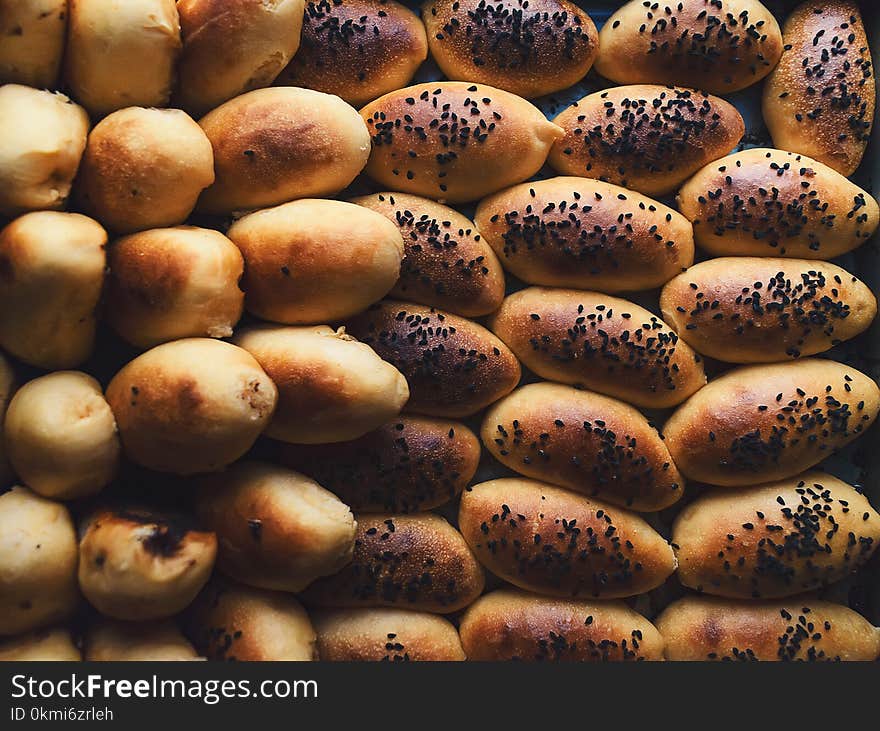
pixel 52 644
pixel 111 641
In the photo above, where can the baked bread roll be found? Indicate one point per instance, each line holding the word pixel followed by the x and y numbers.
pixel 44 645
pixel 513 625
pixel 51 274
pixel 357 49
pixel 762 202
pixel 819 100
pixel 528 47
pixel 33 33
pixel 385 635
pixel 700 628
pixel 774 540
pixel 314 261
pixel 172 283
pixel 601 343
pixel 331 388
pixel 7 389
pixel 38 557
pixel 408 464
pixel 415 562
pixel 582 233
pixel 767 422
pixel 453 366
pixel 717 45
pixel 274 145
pixel 645 137
pixel 756 310
pixel 455 141
pixel 447 264
pixel 193 405
pixel 109 641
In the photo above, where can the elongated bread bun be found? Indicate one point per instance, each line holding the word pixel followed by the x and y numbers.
pixel 33 33
pixel 113 641
pixel 55 645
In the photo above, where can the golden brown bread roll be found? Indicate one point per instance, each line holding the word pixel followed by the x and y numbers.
pixel 33 33
pixel 819 100
pixel 717 45
pixel 7 389
pixel 762 202
pixel 113 641
pixel 448 264
pixel 455 141
pixel 514 625
pixel 453 366
pixel 583 233
pixel 357 49
pixel 700 628
pixel 313 261
pixel 599 342
pixel 756 310
pixel 528 47
pixel 768 422
pixel 558 543
pixel 774 540
pixel 415 561
pixel 43 645
pixel 646 137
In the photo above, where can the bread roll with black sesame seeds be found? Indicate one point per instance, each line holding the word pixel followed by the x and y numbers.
pixel 448 264
pixel 454 367
pixel 762 202
pixel 158 641
pixel 768 422
pixel 53 645
pixel 408 464
pixel 357 49
pixel 33 32
pixel 455 141
pixel 583 233
pixel 717 45
pixel 757 310
pixel 819 100
pixel 646 137
pixel 601 343
pixel 8 382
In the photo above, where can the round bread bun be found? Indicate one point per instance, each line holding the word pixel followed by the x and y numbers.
pixel 7 389
pixel 527 47
pixel 61 437
pixel 159 641
pixel 40 646
pixel 357 49
pixel 193 405
pixel 33 33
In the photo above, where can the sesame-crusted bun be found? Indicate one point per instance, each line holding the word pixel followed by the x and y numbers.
pixel 415 561
pixel 700 628
pixel 233 46
pixel 820 98
pixel 193 405
pixel 763 202
pixel 171 283
pixel 408 464
pixel 509 624
pixel 528 47
pixel 757 310
pixel 357 49
pixel 113 641
pixel 455 141
pixel 599 342
pixel 33 33
pixel 771 421
pixel 645 137
pixel 558 543
pixel 774 540
pixel 274 145
pixel 586 234
pixel 454 367
pixel 448 264
pixel 717 45
pixel 54 645
pixel 331 388
pixel 8 382
pixel 38 556
pixel 313 261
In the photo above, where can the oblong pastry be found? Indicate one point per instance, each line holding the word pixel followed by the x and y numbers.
pixel 763 202
pixel 586 234
pixel 599 342
pixel 767 422
pixel 717 45
pixel 455 141
pixel 645 137
pixel 819 100
pixel 34 33
pixel 774 540
pixel 757 310
pixel 558 543
pixel 54 645
pixel 528 47
pixel 114 641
